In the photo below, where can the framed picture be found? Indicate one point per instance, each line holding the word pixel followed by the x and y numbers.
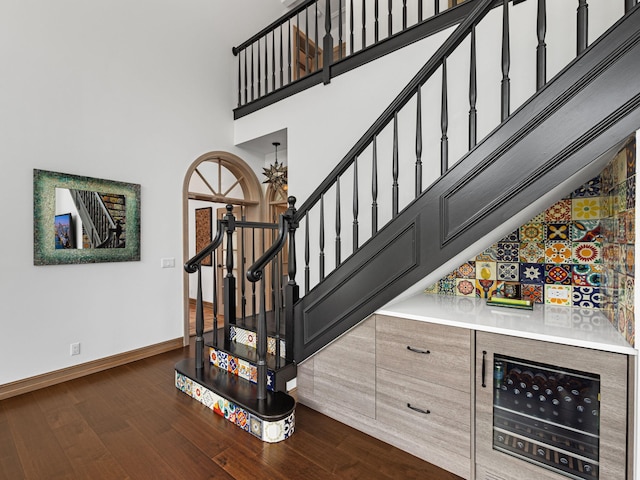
pixel 120 199
pixel 204 224
pixel 64 233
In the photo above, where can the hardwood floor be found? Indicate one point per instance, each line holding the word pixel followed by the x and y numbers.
pixel 131 422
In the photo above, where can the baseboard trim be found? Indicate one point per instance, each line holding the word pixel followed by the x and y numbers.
pixel 37 382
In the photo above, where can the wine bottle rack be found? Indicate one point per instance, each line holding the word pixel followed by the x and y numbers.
pixel 547 415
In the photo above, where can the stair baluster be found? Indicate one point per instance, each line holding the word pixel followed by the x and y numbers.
pixel 506 63
pixel 541 50
pixel 473 92
pixel 583 27
pixel 229 285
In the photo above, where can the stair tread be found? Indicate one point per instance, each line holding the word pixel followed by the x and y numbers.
pixel 276 406
pixel 250 322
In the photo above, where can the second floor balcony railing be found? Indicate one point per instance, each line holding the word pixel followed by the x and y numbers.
pixel 307 45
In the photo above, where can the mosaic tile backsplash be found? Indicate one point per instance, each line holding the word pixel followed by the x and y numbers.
pixel 577 253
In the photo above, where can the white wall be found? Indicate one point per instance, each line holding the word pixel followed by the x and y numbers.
pixel 129 90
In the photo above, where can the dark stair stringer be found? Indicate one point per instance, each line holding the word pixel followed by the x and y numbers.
pixel 586 110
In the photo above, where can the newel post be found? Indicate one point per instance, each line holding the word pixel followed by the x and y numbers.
pixel 327 58
pixel 292 289
pixel 229 284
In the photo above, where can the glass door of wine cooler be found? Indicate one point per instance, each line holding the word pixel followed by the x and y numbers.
pixel 547 415
pixel 549 411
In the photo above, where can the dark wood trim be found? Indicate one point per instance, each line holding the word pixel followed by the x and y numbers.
pixel 63 375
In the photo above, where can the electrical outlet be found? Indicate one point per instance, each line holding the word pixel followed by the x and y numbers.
pixel 75 348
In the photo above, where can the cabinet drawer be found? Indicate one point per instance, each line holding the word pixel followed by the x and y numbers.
pixel 447 361
pixel 442 433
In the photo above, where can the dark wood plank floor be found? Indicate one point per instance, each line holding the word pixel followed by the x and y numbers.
pixel 131 422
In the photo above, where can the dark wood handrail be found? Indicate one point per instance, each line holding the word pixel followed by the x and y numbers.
pixel 191 266
pixel 284 18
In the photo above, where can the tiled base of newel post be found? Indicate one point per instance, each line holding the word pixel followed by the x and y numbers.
pixel 270 432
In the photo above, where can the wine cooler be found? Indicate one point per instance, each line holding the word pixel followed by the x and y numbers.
pixel 549 411
pixel 547 415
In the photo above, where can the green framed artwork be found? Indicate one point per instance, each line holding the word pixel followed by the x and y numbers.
pixel 105 215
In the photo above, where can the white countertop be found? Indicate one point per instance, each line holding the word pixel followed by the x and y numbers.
pixel 580 327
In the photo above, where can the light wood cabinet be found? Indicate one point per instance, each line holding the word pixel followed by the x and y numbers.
pixel 429 399
pixel 423 389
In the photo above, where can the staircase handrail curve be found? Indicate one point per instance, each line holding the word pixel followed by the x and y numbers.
pixel 284 18
pixel 192 265
pixel 285 223
pixel 423 75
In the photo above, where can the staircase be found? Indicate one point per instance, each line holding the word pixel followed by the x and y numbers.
pixel 561 133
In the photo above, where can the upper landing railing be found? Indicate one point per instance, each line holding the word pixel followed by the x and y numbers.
pixel 290 55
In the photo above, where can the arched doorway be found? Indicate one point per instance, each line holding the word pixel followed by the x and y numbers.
pixel 212 181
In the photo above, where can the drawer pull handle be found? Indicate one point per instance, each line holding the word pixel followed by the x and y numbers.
pixel 419 410
pixel 418 350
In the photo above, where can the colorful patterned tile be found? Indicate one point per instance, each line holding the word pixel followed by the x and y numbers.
pixel 197 391
pixel 512 237
pixel 558 212
pixel 244 369
pixel 255 426
pixel 620 200
pixel 620 228
pixel 242 419
pixel 557 295
pixel 622 320
pixel 508 251
pixel 586 275
pixel 447 287
pixel 586 231
pixel 620 167
pixel 223 360
pixel 532 273
pixel 488 255
pixel 532 252
pixel 466 270
pixel 232 332
pixel 557 232
pixel 465 287
pixel 273 431
pixel 432 289
pixel 587 208
pixel 232 364
pixel 631 157
pixel 586 297
pixel 557 252
pixel 631 225
pixel 557 274
pixel 630 288
pixel 270 380
pixel 254 374
pixel 532 232
pixel 630 261
pixel 606 180
pixel 213 357
pixel 589 189
pixel 533 292
pixel 271 345
pixel 586 252
pixel 508 271
pixel 538 218
pixel 486 270
pixel 209 399
pixel 289 426
pixel 487 288
pixel 631 193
